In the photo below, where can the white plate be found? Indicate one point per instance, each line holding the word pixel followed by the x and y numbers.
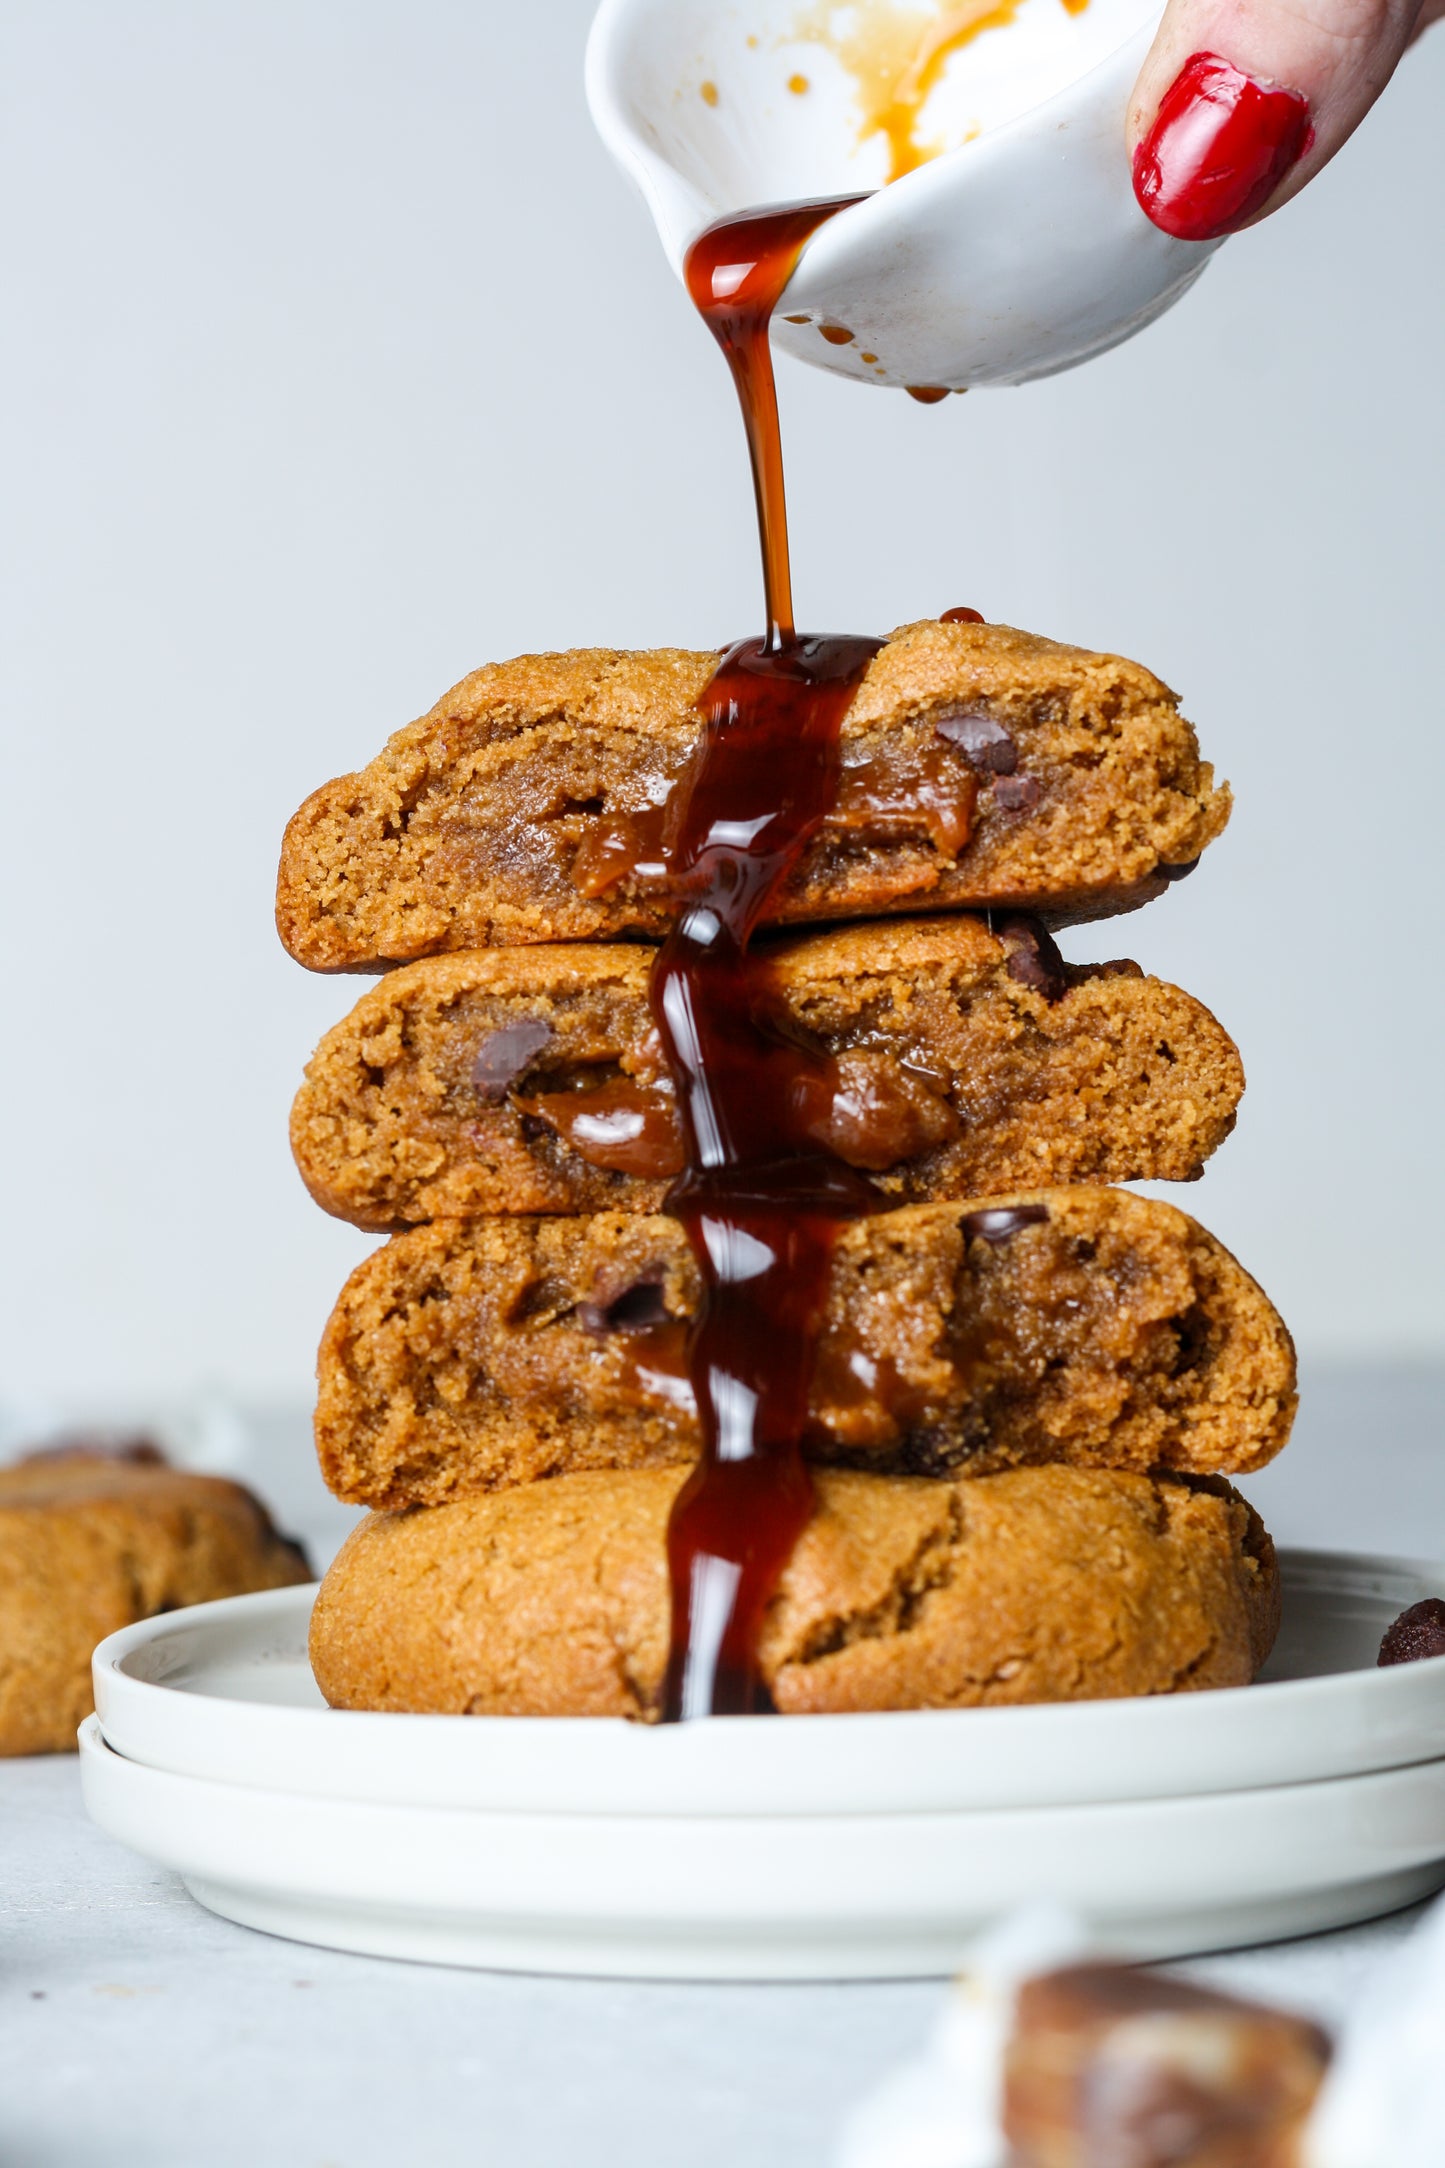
pixel 224 1693
pixel 794 1897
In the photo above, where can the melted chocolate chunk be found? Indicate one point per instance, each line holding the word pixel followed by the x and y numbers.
pixel 504 1054
pixel 982 740
pixel 1033 955
pixel 628 1127
pixel 1017 793
pixel 1418 1632
pixel 140 1451
pixel 636 1309
pixel 999 1221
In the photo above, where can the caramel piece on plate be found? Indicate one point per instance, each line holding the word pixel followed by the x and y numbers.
pixel 1109 2067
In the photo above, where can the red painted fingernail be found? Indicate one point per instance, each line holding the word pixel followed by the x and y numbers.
pixel 1219 147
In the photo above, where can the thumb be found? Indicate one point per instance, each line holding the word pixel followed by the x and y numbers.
pixel 1241 102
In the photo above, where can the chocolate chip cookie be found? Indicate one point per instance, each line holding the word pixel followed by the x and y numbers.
pixel 951 1058
pixel 91 1542
pixel 979 766
pixel 1039 1584
pixel 1080 1325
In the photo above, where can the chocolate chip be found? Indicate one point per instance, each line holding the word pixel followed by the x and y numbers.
pixel 1418 1632
pixel 959 615
pixel 981 738
pixel 1178 873
pixel 1000 1221
pixel 504 1054
pixel 1017 793
pixel 1033 956
pixel 540 1303
pixel 101 1445
pixel 633 1310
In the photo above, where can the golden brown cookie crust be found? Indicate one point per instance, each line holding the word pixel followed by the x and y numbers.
pixel 89 1546
pixel 1116 1078
pixel 1039 1584
pixel 1112 1331
pixel 465 832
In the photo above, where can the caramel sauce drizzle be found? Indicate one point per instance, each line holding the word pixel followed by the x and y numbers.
pixel 766 1118
pixel 760 1209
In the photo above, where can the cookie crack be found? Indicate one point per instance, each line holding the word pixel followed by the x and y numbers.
pixel 1183 1673
pixel 928 1569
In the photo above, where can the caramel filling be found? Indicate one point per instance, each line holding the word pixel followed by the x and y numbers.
pixel 898 797
pixel 652 1366
pixel 927 794
pixel 995 1347
pixel 863 1106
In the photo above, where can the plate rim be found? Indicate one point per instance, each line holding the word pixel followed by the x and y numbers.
pixel 1239 1799
pixel 616 1897
pixel 1120 1749
pixel 1305 1561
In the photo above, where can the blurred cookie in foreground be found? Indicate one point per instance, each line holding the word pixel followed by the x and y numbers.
pixel 948 1057
pixel 1041 1584
pixel 96 1533
pixel 1109 2067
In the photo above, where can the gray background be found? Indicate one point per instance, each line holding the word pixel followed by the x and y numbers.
pixel 337 359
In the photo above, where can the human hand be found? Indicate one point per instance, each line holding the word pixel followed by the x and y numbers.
pixel 1241 102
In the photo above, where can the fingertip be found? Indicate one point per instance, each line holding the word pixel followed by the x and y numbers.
pixel 1219 145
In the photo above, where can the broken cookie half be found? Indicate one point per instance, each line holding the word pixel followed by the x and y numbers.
pixel 1078 1325
pixel 979 766
pixel 946 1057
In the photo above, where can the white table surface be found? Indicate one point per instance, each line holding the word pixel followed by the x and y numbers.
pixel 136 2031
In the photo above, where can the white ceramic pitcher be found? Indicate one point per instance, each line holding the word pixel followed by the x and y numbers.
pixel 1017 251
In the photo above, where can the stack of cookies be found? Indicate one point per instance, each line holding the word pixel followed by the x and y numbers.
pixel 1030 1388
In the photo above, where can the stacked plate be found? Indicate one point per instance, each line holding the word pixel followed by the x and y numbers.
pixel 824 1847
